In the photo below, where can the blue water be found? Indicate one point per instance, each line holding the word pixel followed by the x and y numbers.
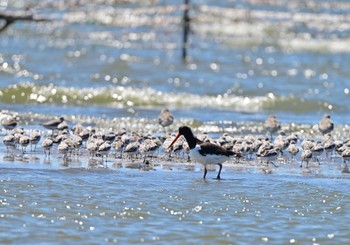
pixel 74 206
pixel 116 65
pixel 297 64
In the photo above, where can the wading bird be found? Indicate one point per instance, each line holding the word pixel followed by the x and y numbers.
pixel 204 152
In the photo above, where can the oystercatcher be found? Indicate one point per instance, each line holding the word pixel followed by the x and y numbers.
pixel 204 152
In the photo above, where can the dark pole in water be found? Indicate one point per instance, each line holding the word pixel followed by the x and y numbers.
pixel 186 29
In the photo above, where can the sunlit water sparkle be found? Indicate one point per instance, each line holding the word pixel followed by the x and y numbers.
pixel 49 206
pixel 113 65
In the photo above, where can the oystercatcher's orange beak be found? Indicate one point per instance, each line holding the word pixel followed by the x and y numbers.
pixel 177 136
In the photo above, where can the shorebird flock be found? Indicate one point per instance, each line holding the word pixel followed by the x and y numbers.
pixel 270 149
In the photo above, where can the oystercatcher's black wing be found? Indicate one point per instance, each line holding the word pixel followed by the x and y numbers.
pixel 213 149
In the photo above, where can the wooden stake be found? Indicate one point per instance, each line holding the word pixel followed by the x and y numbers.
pixel 186 29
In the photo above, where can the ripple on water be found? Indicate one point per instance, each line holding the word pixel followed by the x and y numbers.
pixel 95 206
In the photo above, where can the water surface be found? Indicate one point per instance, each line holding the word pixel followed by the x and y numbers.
pixel 108 64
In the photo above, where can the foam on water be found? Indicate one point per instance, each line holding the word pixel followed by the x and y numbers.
pixel 118 96
pixel 251 58
pixel 114 64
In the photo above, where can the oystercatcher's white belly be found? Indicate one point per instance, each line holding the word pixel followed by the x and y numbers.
pixel 208 158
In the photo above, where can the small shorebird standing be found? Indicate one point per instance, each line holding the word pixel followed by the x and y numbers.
pixel 307 144
pixel 306 155
pixel 132 149
pixel 204 152
pixel 77 129
pixel 272 125
pixel 148 147
pixel 34 139
pixel 47 145
pixel 103 150
pixel 9 122
pixel 62 126
pixel 293 149
pixel 268 155
pixel 77 143
pixel 63 148
pixel 326 125
pixel 53 124
pixel 317 151
pixel 165 118
pixel 24 141
pixel 281 142
pixel 118 146
pixel 10 142
pixel 92 147
pixel 346 155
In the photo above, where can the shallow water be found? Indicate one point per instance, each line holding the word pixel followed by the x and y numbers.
pixel 132 206
pixel 247 60
pixel 52 200
pixel 114 65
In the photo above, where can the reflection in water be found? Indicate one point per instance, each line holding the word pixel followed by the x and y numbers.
pixel 9 157
pixel 115 64
pixel 65 162
pixel 95 163
pixel 345 169
pixel 47 160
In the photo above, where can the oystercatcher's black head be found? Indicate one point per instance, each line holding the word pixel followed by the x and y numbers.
pixel 187 133
pixel 184 130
